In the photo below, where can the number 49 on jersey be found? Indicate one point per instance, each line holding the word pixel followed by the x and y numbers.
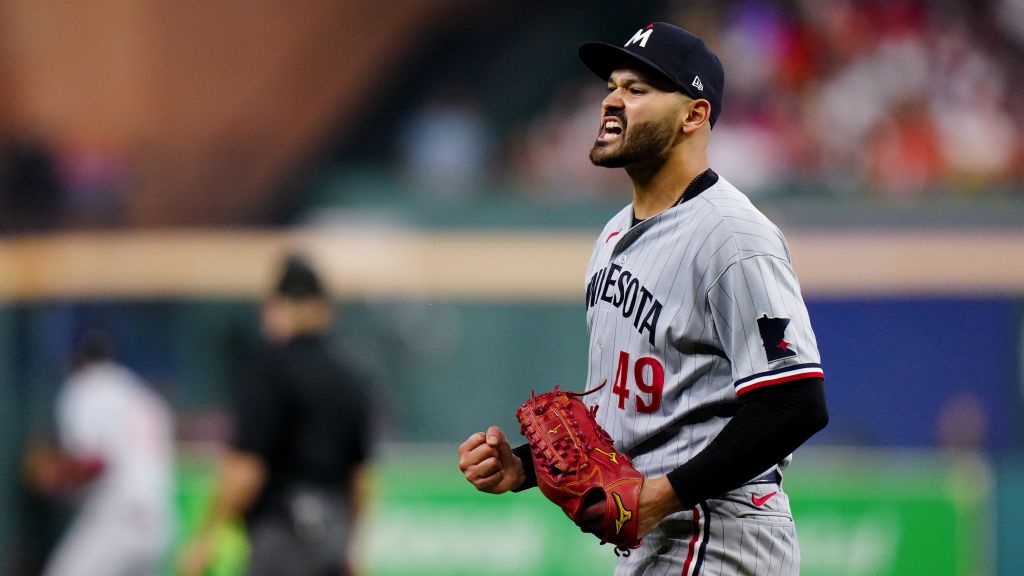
pixel 648 377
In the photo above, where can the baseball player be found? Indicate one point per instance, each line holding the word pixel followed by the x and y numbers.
pixel 116 452
pixel 697 326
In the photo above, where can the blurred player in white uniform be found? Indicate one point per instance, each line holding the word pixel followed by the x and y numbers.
pixel 116 456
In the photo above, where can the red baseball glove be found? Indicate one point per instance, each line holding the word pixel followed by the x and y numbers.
pixel 577 464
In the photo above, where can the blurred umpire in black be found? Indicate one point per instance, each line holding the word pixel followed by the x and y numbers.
pixel 295 470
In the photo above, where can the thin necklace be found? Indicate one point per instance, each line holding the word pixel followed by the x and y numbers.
pixel 682 197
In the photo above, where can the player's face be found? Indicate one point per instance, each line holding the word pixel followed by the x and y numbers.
pixel 638 120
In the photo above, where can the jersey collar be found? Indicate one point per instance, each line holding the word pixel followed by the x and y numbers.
pixel 700 183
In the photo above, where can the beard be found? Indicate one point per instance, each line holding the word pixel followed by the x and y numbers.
pixel 645 141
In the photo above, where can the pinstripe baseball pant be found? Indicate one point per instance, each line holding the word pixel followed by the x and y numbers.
pixel 747 532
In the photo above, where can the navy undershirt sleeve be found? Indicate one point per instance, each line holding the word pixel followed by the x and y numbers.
pixel 772 423
pixel 523 452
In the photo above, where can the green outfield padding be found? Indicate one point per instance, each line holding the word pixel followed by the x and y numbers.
pixel 858 513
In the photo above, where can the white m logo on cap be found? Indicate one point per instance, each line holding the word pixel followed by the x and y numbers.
pixel 641 36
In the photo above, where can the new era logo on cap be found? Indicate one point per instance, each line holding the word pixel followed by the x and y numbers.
pixel 696 82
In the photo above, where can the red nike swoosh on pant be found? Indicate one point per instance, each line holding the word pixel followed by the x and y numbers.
pixel 760 500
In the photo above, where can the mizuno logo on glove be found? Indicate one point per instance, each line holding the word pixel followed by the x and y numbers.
pixel 613 456
pixel 624 515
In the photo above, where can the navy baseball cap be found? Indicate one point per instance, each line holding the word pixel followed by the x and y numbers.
pixel 678 55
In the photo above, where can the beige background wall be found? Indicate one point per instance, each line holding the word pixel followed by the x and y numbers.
pixel 515 266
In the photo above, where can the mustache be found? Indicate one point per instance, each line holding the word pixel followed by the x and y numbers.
pixel 620 116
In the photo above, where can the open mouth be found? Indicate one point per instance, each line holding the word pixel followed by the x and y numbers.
pixel 611 129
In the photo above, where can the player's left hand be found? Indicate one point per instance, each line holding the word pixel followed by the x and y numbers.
pixel 657 500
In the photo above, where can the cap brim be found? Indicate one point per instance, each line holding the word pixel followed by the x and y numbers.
pixel 603 59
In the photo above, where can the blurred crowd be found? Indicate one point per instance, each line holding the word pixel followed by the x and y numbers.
pixel 895 98
pixel 47 184
pixel 898 99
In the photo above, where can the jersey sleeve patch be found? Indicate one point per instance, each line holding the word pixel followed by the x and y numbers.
pixel 773 337
pixel 778 376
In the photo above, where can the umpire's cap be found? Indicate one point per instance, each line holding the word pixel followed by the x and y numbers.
pixel 298 280
pixel 678 55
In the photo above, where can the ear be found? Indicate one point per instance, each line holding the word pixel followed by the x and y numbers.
pixel 696 114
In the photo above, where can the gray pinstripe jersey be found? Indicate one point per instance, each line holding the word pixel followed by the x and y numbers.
pixel 686 311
